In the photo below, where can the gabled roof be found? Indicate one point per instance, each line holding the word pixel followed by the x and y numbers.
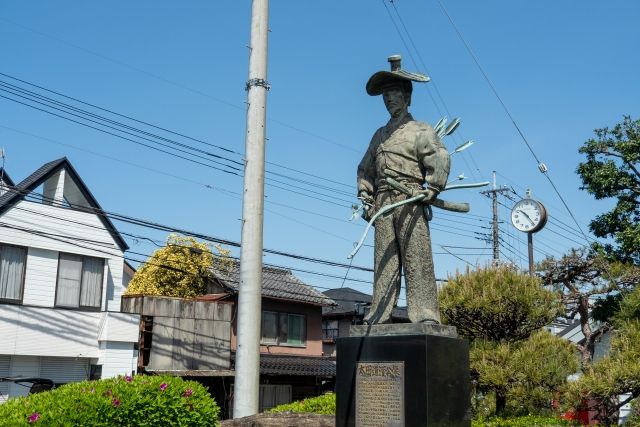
pixel 277 283
pixel 347 300
pixel 30 183
pixel 6 178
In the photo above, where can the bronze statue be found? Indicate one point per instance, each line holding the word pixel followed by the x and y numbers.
pixel 405 159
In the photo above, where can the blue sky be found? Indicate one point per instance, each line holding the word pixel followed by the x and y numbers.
pixel 562 69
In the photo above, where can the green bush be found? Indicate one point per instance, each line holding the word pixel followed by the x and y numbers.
pixel 123 401
pixel 525 421
pixel 325 404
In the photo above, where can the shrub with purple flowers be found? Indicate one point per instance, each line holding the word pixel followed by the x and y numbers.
pixel 138 400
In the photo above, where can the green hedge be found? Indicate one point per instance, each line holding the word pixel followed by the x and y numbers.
pixel 123 401
pixel 523 421
pixel 325 404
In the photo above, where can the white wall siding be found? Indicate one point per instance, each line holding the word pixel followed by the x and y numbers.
pixel 40 277
pixel 48 332
pixel 113 289
pixel 117 358
pixel 61 230
pixel 85 233
pixel 122 327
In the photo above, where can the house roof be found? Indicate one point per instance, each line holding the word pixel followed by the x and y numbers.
pixel 30 183
pixel 277 283
pixel 297 365
pixel 347 300
pixel 280 364
pixel 6 178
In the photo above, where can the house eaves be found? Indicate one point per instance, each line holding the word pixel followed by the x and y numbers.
pixel 30 183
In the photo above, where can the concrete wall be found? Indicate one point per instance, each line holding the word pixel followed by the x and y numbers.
pixel 186 335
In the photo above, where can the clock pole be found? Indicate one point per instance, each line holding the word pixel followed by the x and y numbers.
pixel 530 246
pixel 530 216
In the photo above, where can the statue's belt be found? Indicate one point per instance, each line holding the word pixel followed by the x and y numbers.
pixel 438 203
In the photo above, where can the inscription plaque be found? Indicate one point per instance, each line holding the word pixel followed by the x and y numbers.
pixel 380 394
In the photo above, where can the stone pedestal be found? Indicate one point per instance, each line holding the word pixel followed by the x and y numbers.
pixel 402 375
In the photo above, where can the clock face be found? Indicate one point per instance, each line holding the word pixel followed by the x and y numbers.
pixel 528 215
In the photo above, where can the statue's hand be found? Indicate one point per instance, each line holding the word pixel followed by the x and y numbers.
pixel 430 193
pixel 367 205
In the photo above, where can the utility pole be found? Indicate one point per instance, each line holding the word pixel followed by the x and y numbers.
pixel 493 194
pixel 247 381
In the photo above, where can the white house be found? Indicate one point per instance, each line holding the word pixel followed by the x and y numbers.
pixel 61 278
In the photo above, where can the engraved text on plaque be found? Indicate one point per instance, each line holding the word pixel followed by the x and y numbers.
pixel 379 394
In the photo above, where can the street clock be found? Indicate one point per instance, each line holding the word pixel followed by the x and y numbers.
pixel 528 215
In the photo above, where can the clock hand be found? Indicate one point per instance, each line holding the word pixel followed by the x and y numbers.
pixel 528 217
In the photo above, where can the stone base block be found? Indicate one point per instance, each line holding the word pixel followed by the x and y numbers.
pixel 403 380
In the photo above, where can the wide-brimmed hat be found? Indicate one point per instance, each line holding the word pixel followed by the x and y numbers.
pixel 397 75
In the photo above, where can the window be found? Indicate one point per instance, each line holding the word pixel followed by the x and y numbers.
pixel 330 330
pixel 79 281
pixel 283 329
pixel 13 260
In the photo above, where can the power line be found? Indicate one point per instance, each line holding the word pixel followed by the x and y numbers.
pixel 433 83
pixel 176 84
pixel 193 160
pixel 226 149
pixel 62 107
pixel 202 236
pixel 541 166
pixel 155 242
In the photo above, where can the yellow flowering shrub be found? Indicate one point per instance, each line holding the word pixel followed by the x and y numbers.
pixel 182 268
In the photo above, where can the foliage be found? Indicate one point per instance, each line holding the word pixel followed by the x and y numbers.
pixel 121 401
pixel 634 417
pixel 497 304
pixel 604 309
pixel 523 421
pixel 629 308
pixel 612 170
pixel 502 311
pixel 181 269
pixel 526 373
pixel 589 280
pixel 325 404
pixel 617 373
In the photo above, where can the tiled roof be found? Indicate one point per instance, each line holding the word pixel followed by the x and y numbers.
pixel 277 283
pixel 31 182
pixel 346 300
pixel 312 366
pixel 297 365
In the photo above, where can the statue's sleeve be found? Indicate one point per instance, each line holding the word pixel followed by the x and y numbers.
pixel 433 157
pixel 367 169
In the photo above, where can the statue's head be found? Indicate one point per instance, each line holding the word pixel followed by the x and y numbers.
pixel 391 83
pixel 397 97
